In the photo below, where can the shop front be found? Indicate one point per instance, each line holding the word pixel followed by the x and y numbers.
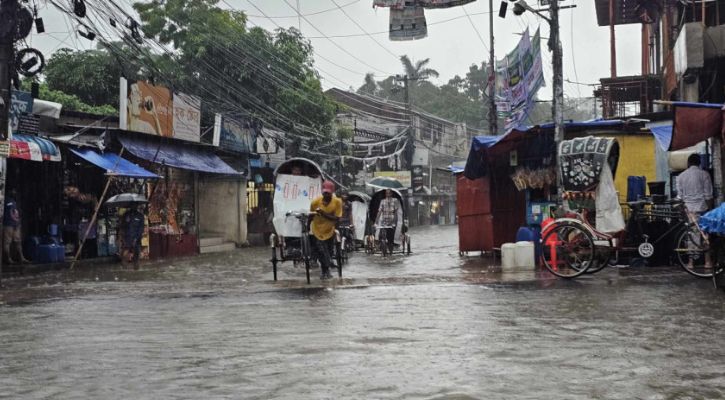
pixel 197 205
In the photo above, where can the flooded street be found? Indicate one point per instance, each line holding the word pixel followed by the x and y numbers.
pixel 427 326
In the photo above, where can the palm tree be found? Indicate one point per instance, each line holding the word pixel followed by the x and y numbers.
pixel 419 71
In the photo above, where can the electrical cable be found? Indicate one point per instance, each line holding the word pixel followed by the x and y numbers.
pixel 475 29
pixel 365 32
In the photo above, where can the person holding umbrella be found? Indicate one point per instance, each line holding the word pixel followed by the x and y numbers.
pixel 132 227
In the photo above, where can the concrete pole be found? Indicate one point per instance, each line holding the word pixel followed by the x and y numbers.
pixel 7 56
pixel 558 79
pixel 492 115
pixel 612 41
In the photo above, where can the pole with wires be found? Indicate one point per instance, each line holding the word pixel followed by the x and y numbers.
pixel 492 115
pixel 7 65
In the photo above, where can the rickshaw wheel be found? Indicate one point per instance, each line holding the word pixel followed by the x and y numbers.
pixel 307 268
pixel 567 250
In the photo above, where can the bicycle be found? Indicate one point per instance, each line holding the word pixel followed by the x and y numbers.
pixel 572 246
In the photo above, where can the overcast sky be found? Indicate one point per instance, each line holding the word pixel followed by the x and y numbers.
pixel 452 46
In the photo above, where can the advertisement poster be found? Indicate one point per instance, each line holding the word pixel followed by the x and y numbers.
pixel 22 103
pixel 418 179
pixel 402 176
pixel 293 194
pixel 518 77
pixel 155 110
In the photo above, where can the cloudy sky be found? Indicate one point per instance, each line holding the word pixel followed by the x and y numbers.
pixel 350 38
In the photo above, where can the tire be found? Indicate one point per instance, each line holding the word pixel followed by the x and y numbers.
pixel 306 254
pixel 572 246
pixel 690 246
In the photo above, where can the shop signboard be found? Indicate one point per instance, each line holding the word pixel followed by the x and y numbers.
pixel 401 176
pixel 518 77
pixel 155 110
pixel 235 135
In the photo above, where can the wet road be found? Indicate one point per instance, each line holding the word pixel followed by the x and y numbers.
pixel 427 326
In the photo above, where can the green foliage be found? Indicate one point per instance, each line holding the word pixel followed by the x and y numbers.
pixel 69 101
pixel 91 75
pixel 462 99
pixel 240 70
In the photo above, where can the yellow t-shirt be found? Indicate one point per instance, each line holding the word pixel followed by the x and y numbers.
pixel 322 227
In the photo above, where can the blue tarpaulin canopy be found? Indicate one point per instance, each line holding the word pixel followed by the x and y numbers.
pixel 483 146
pixel 178 155
pixel 663 136
pixel 113 164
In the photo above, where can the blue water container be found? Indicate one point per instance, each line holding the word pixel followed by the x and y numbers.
pixel 527 234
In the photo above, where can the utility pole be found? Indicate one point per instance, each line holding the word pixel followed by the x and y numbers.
pixel 558 79
pixel 7 64
pixel 492 115
pixel 411 132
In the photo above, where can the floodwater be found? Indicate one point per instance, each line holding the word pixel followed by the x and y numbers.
pixel 426 326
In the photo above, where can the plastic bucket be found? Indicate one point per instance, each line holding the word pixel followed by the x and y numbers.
pixel 524 255
pixel 508 256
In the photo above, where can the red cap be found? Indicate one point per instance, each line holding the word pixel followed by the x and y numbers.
pixel 328 187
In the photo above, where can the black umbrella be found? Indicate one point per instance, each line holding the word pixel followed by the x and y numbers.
pixel 126 200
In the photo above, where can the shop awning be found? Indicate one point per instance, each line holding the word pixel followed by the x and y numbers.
pixel 177 155
pixel 34 148
pixel 694 122
pixel 113 164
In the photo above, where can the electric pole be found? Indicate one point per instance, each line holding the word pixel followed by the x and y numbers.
pixel 558 79
pixel 7 65
pixel 411 132
pixel 492 115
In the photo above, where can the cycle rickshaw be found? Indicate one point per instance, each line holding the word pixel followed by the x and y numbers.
pixel 298 181
pixel 355 235
pixel 574 244
pixel 375 236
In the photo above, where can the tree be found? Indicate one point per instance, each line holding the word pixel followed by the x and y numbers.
pixel 69 101
pixel 370 86
pixel 418 71
pixel 240 70
pixel 94 78
pixel 462 99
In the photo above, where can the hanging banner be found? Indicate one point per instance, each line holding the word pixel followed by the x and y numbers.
pixel 155 110
pixel 518 77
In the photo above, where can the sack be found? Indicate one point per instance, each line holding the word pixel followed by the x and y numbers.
pixel 714 221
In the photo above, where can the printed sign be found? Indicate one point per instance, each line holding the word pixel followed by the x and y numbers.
pixel 293 194
pixel 22 104
pixel 155 110
pixel 187 117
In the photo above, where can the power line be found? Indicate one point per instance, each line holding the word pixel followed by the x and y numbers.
pixel 483 42
pixel 364 31
pixel 304 15
pixel 336 44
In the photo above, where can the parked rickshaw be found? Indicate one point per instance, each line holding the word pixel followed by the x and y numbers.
pixel 360 222
pixel 298 181
pixel 576 244
pixel 375 237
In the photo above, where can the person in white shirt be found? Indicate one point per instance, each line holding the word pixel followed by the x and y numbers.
pixel 694 188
